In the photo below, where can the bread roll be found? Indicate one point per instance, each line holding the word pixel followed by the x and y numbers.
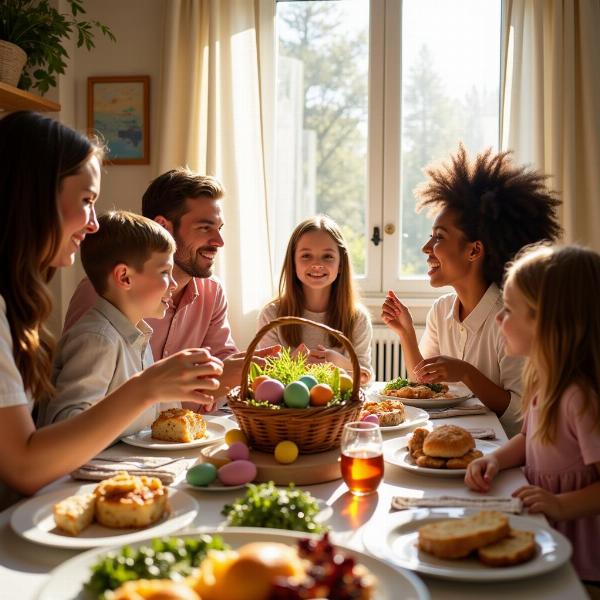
pixel 517 548
pixel 457 538
pixel 178 425
pixel 448 441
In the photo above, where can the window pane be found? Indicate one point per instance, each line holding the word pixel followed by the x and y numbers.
pixel 450 93
pixel 321 144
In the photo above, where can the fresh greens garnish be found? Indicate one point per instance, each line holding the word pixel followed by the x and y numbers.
pixel 164 558
pixel 400 382
pixel 265 505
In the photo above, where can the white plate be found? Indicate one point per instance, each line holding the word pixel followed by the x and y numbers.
pixel 215 486
pixel 396 453
pixel 33 520
pixel 397 542
pixel 66 581
pixel 459 391
pixel 414 416
pixel 215 432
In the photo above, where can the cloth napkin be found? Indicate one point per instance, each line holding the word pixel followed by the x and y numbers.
pixel 482 433
pixel 501 503
pixel 457 411
pixel 165 468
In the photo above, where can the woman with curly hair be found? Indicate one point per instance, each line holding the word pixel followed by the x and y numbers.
pixel 485 211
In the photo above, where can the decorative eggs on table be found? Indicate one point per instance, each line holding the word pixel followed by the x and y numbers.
pixel 309 380
pixel 321 394
pixel 238 451
pixel 235 435
pixel 201 475
pixel 286 452
pixel 237 472
pixel 269 390
pixel 296 395
pixel 371 419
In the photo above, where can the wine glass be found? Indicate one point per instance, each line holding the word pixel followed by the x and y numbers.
pixel 362 457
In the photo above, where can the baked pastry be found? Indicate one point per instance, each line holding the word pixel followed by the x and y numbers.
pixel 517 548
pixel 448 441
pixel 389 412
pixel 414 391
pixel 457 538
pixel 462 462
pixel 72 515
pixel 126 501
pixel 154 589
pixel 178 425
pixel 415 444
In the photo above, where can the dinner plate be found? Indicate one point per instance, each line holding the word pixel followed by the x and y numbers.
pixel 215 432
pixel 414 416
pixel 215 486
pixel 396 452
pixel 33 520
pixel 459 392
pixel 66 581
pixel 396 541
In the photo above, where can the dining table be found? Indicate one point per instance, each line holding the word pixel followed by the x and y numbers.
pixel 26 567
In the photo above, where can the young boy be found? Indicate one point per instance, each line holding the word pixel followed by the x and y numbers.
pixel 129 262
pixel 486 211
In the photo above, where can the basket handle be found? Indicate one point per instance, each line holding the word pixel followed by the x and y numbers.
pixel 299 321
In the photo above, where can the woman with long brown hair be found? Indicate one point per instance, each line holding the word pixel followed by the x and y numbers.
pixel 49 182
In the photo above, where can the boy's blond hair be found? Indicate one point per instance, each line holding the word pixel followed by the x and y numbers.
pixel 123 237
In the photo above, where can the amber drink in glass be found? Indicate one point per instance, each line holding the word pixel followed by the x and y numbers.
pixel 362 457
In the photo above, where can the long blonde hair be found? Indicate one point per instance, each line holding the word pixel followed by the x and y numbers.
pixel 559 285
pixel 342 309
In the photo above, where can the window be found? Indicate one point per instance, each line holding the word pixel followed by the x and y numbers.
pixel 370 93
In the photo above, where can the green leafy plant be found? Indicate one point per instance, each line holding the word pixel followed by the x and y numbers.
pixel 39 29
pixel 266 505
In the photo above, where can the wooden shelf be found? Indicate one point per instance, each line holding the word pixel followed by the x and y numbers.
pixel 12 98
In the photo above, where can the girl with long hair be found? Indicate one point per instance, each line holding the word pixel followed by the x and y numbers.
pixel 316 283
pixel 49 182
pixel 551 318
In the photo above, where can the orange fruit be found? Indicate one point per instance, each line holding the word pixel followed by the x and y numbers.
pixel 258 380
pixel 320 394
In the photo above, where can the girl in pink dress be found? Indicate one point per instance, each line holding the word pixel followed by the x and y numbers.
pixel 551 316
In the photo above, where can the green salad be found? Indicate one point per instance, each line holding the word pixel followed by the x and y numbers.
pixel 400 382
pixel 164 558
pixel 266 505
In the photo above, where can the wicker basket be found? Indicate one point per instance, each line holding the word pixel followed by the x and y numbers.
pixel 12 61
pixel 313 429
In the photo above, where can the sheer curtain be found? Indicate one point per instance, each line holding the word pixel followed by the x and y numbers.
pixel 216 116
pixel 551 102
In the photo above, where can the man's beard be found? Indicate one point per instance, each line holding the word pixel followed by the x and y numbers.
pixel 186 259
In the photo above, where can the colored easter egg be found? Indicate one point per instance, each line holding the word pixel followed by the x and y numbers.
pixel 258 380
pixel 286 452
pixel 238 451
pixel 321 394
pixel 296 395
pixel 269 391
pixel 309 380
pixel 237 472
pixel 201 475
pixel 235 435
pixel 345 382
pixel 371 419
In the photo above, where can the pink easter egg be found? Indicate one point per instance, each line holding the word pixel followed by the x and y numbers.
pixel 269 391
pixel 238 451
pixel 371 419
pixel 237 472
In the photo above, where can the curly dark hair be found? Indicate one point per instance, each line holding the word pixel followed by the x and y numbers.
pixel 503 205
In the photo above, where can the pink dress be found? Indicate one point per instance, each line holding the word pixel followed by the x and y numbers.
pixel 567 465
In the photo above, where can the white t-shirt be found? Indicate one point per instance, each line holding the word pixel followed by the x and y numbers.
pixel 477 340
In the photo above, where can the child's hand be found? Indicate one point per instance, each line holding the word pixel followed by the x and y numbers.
pixel 322 355
pixel 232 365
pixel 539 500
pixel 480 473
pixel 441 368
pixel 301 349
pixel 396 316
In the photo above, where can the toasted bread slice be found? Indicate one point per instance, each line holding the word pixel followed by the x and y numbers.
pixel 72 515
pixel 178 425
pixel 457 538
pixel 517 548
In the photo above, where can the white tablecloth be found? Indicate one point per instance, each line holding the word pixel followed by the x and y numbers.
pixel 25 567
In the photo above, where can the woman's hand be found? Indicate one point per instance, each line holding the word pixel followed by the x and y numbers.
pixel 441 368
pixel 396 316
pixel 185 376
pixel 480 473
pixel 539 500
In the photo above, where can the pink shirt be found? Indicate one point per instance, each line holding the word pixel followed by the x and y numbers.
pixel 566 465
pixel 198 321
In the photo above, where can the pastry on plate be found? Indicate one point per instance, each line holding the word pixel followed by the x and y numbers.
pixel 72 515
pixel 389 412
pixel 178 425
pixel 446 447
pixel 127 501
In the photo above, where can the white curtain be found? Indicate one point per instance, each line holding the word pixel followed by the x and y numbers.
pixel 551 102
pixel 217 116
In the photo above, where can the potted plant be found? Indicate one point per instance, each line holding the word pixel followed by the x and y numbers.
pixel 38 32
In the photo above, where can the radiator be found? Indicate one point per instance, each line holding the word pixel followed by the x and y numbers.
pixel 386 353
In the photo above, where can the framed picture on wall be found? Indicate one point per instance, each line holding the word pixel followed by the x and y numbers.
pixel 119 111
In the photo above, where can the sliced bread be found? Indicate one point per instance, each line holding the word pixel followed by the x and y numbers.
pixel 457 538
pixel 517 548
